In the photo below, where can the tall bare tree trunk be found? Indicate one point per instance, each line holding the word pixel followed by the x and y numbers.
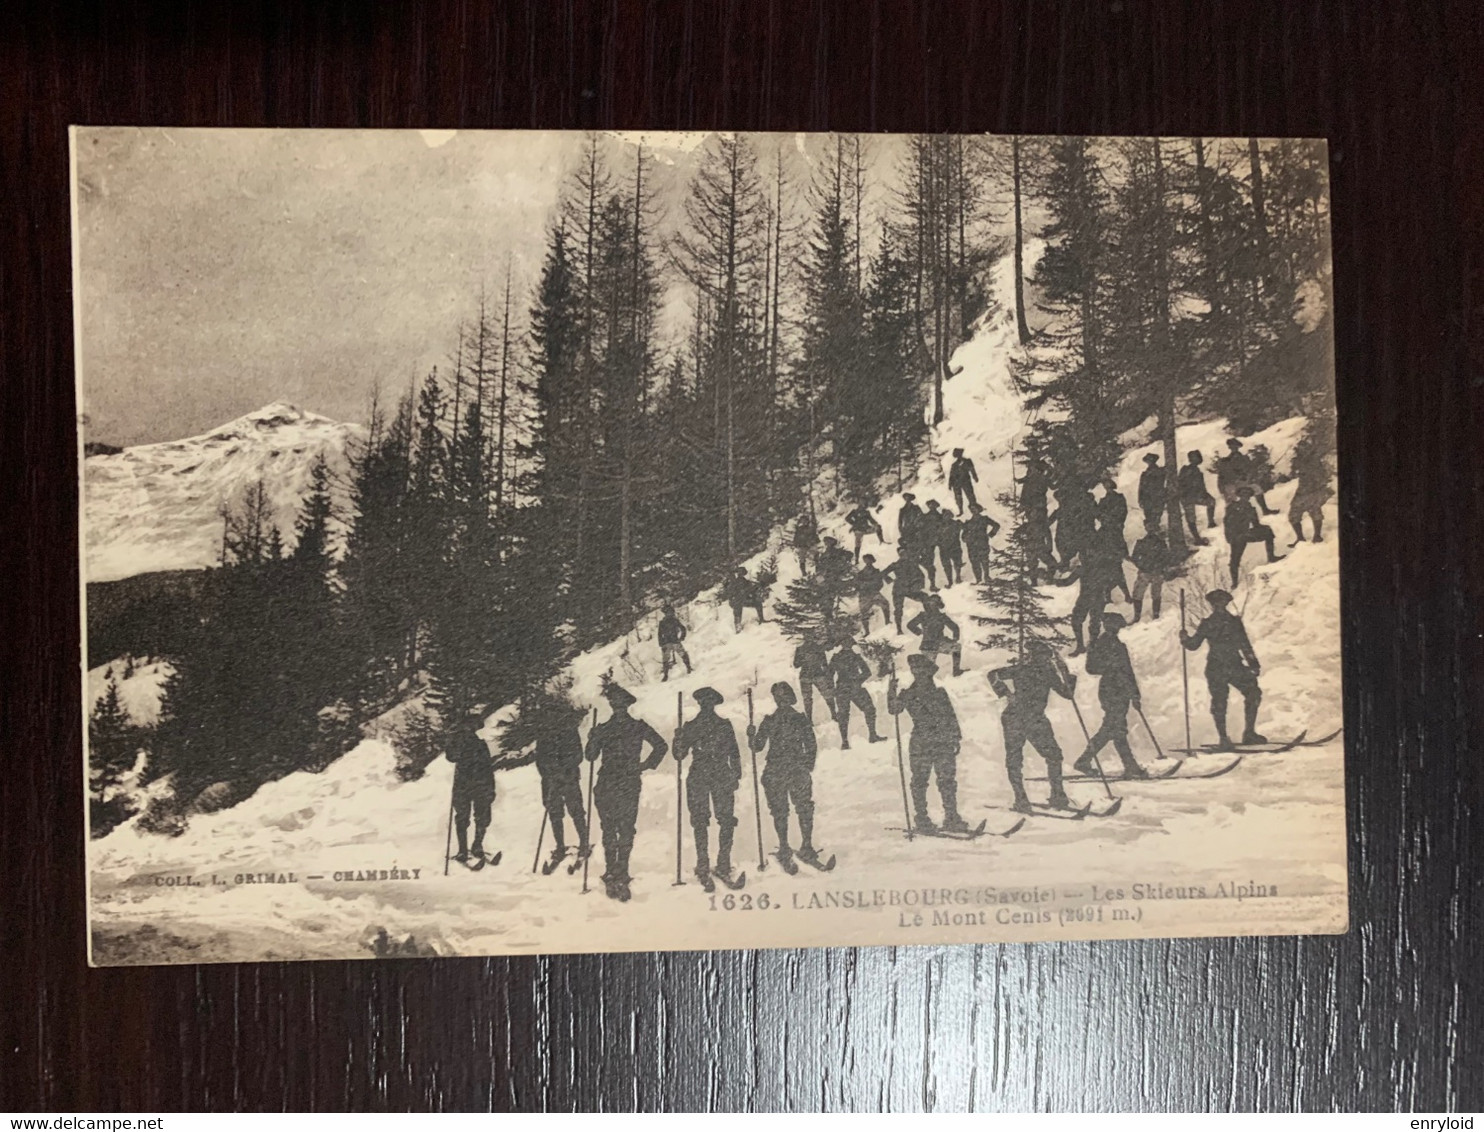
pixel 1163 361
pixel 1022 327
pixel 504 397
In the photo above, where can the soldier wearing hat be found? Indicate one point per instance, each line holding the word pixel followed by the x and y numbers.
pixel 834 560
pixel 671 635
pixel 1028 686
pixel 862 523
pixel 932 537
pixel 806 539
pixel 711 784
pixel 1153 485
pixel 907 581
pixel 909 520
pixel 1230 663
pixel 1076 521
pixel 1118 689
pixel 979 528
pixel 473 784
pixel 932 751
pixel 939 632
pixel 812 660
pixel 868 582
pixel 1193 493
pixel 1112 510
pixel 1233 471
pixel 961 480
pixel 1244 527
pixel 850 672
pixel 741 592
pixel 787 777
pixel 618 741
pixel 1033 487
pixel 558 757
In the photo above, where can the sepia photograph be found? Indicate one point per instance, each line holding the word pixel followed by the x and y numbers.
pixel 501 542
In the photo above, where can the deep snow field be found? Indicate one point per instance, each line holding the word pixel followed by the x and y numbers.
pixel 1275 822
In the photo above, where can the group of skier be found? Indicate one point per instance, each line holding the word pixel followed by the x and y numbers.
pixel 1088 545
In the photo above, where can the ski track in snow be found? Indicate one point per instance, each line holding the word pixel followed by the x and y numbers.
pixel 1277 820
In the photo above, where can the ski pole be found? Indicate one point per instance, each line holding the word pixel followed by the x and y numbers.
pixel 1096 761
pixel 589 818
pixel 1185 672
pixel 896 722
pixel 1150 730
pixel 757 806
pixel 540 838
pixel 448 841
pixel 679 802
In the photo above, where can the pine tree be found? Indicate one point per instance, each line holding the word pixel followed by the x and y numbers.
pixel 1016 607
pixel 114 742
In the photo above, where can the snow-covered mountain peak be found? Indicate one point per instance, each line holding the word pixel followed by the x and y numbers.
pixel 157 506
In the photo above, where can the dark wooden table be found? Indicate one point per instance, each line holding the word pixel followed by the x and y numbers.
pixel 1386 1017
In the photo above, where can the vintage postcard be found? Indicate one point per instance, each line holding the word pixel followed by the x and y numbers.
pixel 502 542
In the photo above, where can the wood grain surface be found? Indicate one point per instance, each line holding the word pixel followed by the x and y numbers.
pixel 1386 1017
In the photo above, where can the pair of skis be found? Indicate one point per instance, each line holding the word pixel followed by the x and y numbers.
pixel 1299 740
pixel 814 860
pixel 475 862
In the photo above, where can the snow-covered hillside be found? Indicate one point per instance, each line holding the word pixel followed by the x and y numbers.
pixel 1276 820
pixel 155 506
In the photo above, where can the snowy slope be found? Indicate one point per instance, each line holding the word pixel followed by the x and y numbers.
pixel 155 506
pixel 1276 820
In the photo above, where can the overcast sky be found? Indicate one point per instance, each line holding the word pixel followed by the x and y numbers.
pixel 220 270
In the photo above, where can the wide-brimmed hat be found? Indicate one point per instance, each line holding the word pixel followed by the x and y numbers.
pixel 1114 621
pixel 921 662
pixel 1151 458
pixel 1233 442
pixel 1219 597
pixel 707 697
pixel 908 496
pixel 619 696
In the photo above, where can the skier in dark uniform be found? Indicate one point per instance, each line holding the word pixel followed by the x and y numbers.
pixel 1193 493
pixel 1151 557
pixel 813 663
pixel 907 582
pixel 1243 527
pixel 940 633
pixel 979 528
pixel 1118 689
pixel 618 741
pixel 909 520
pixel 868 581
pixel 711 784
pixel 1039 673
pixel 806 539
pixel 1309 497
pixel 932 538
pixel 834 560
pixel 1108 544
pixel 1153 487
pixel 473 786
pixel 671 635
pixel 850 672
pixel 742 593
pixel 1230 663
pixel 558 757
pixel 1093 586
pixel 951 547
pixel 787 777
pixel 932 751
pixel 1076 521
pixel 1233 471
pixel 961 480
pixel 1112 509
pixel 1033 487
pixel 862 523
